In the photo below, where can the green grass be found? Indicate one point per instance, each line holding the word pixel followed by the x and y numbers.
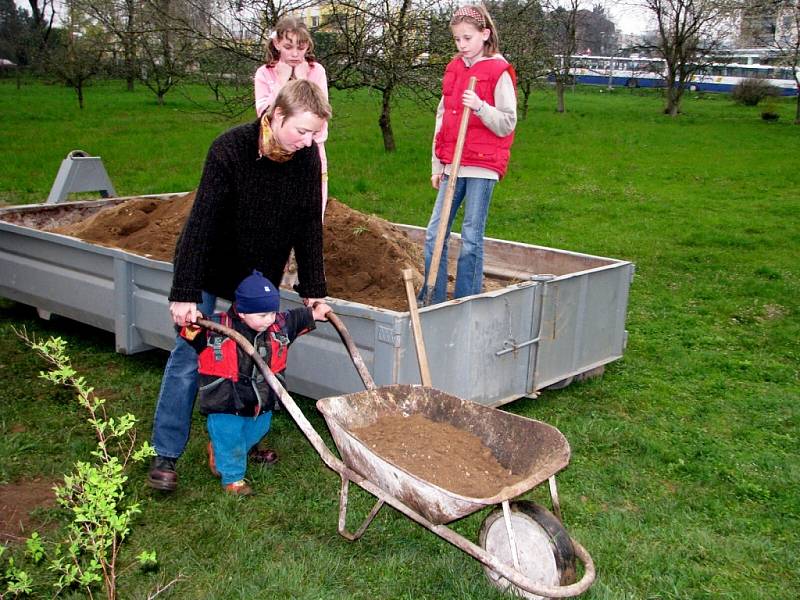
pixel 684 476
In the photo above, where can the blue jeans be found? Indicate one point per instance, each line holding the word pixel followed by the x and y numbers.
pixel 232 437
pixel 476 194
pixel 173 418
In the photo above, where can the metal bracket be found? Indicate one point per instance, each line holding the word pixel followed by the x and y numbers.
pixel 512 346
pixel 80 172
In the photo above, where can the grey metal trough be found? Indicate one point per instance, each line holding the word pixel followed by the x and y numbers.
pixel 562 314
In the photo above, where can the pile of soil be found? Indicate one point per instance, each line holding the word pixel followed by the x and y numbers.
pixel 438 453
pixel 364 254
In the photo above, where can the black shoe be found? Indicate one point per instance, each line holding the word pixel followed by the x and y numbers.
pixel 162 475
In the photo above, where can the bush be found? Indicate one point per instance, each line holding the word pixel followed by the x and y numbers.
pixel 752 91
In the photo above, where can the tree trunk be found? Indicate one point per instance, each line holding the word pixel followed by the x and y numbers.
pixel 526 94
pixel 673 101
pixel 797 110
pixel 79 90
pixel 160 95
pixel 385 121
pixel 560 96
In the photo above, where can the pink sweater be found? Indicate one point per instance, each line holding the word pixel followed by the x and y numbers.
pixel 267 87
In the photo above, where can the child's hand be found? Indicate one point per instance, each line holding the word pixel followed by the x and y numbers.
pixel 320 310
pixel 471 100
pixel 436 180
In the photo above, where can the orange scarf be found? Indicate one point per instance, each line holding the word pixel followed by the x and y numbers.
pixel 268 146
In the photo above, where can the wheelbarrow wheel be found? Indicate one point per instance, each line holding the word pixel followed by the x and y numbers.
pixel 544 547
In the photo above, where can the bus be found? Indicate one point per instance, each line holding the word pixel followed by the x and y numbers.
pixel 634 71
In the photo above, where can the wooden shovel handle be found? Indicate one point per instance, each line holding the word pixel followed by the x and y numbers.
pixel 416 327
pixel 447 202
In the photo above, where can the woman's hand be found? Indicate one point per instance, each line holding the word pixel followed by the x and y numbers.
pixel 471 100
pixel 320 311
pixel 184 313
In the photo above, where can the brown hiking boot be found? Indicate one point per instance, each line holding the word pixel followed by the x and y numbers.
pixel 162 475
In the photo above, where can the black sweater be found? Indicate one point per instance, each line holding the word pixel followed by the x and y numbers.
pixel 248 214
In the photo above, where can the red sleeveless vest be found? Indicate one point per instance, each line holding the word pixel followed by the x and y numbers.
pixel 482 147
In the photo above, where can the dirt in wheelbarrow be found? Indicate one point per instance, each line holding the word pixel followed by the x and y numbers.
pixel 439 453
pixel 364 254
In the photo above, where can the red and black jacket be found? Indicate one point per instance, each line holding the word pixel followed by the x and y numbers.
pixel 230 381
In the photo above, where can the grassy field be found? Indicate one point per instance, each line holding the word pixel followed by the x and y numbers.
pixel 685 472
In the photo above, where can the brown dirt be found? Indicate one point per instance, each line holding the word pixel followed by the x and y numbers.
pixel 17 502
pixel 364 254
pixel 438 453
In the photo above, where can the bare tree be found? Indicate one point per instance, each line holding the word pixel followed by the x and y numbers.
pixel 524 43
pixel 43 14
pixel 166 54
pixel 120 18
pixel 561 28
pixel 786 40
pixel 689 31
pixel 384 46
pixel 230 38
pixel 78 54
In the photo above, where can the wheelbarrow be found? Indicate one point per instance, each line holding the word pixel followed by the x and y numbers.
pixel 523 547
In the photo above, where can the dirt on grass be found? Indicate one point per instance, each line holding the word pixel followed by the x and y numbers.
pixel 18 503
pixel 364 254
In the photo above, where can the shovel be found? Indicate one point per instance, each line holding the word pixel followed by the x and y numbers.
pixel 447 202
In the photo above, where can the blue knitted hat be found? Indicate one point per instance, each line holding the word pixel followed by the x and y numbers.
pixel 256 294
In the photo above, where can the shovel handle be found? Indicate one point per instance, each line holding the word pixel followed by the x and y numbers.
pixel 416 328
pixel 447 202
pixel 355 355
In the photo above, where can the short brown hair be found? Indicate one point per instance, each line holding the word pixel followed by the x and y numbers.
pixel 301 95
pixel 286 26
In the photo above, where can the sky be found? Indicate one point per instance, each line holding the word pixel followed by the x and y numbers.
pixel 628 17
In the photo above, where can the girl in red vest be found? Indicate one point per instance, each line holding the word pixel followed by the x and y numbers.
pixel 484 160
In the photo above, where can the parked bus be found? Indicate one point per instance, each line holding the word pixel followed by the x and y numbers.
pixel 632 71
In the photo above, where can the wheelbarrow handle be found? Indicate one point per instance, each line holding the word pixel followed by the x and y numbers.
pixel 355 355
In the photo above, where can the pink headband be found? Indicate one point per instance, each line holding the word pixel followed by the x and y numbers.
pixel 472 13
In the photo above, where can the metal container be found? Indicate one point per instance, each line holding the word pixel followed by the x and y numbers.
pixel 562 314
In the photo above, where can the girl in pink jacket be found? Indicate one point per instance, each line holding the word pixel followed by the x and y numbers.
pixel 290 55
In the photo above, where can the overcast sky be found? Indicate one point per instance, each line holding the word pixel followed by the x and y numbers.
pixel 628 17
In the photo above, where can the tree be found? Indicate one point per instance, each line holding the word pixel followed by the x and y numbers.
pixel 15 25
pixel 43 14
pixel 78 52
pixel 689 31
pixel 384 46
pixel 228 40
pixel 524 44
pixel 120 18
pixel 786 41
pixel 166 53
pixel 561 36
pixel 595 33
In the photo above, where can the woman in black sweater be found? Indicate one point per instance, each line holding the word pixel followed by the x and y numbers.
pixel 258 198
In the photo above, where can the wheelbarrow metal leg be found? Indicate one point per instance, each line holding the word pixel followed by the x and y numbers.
pixel 343 512
pixel 554 497
pixel 512 539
